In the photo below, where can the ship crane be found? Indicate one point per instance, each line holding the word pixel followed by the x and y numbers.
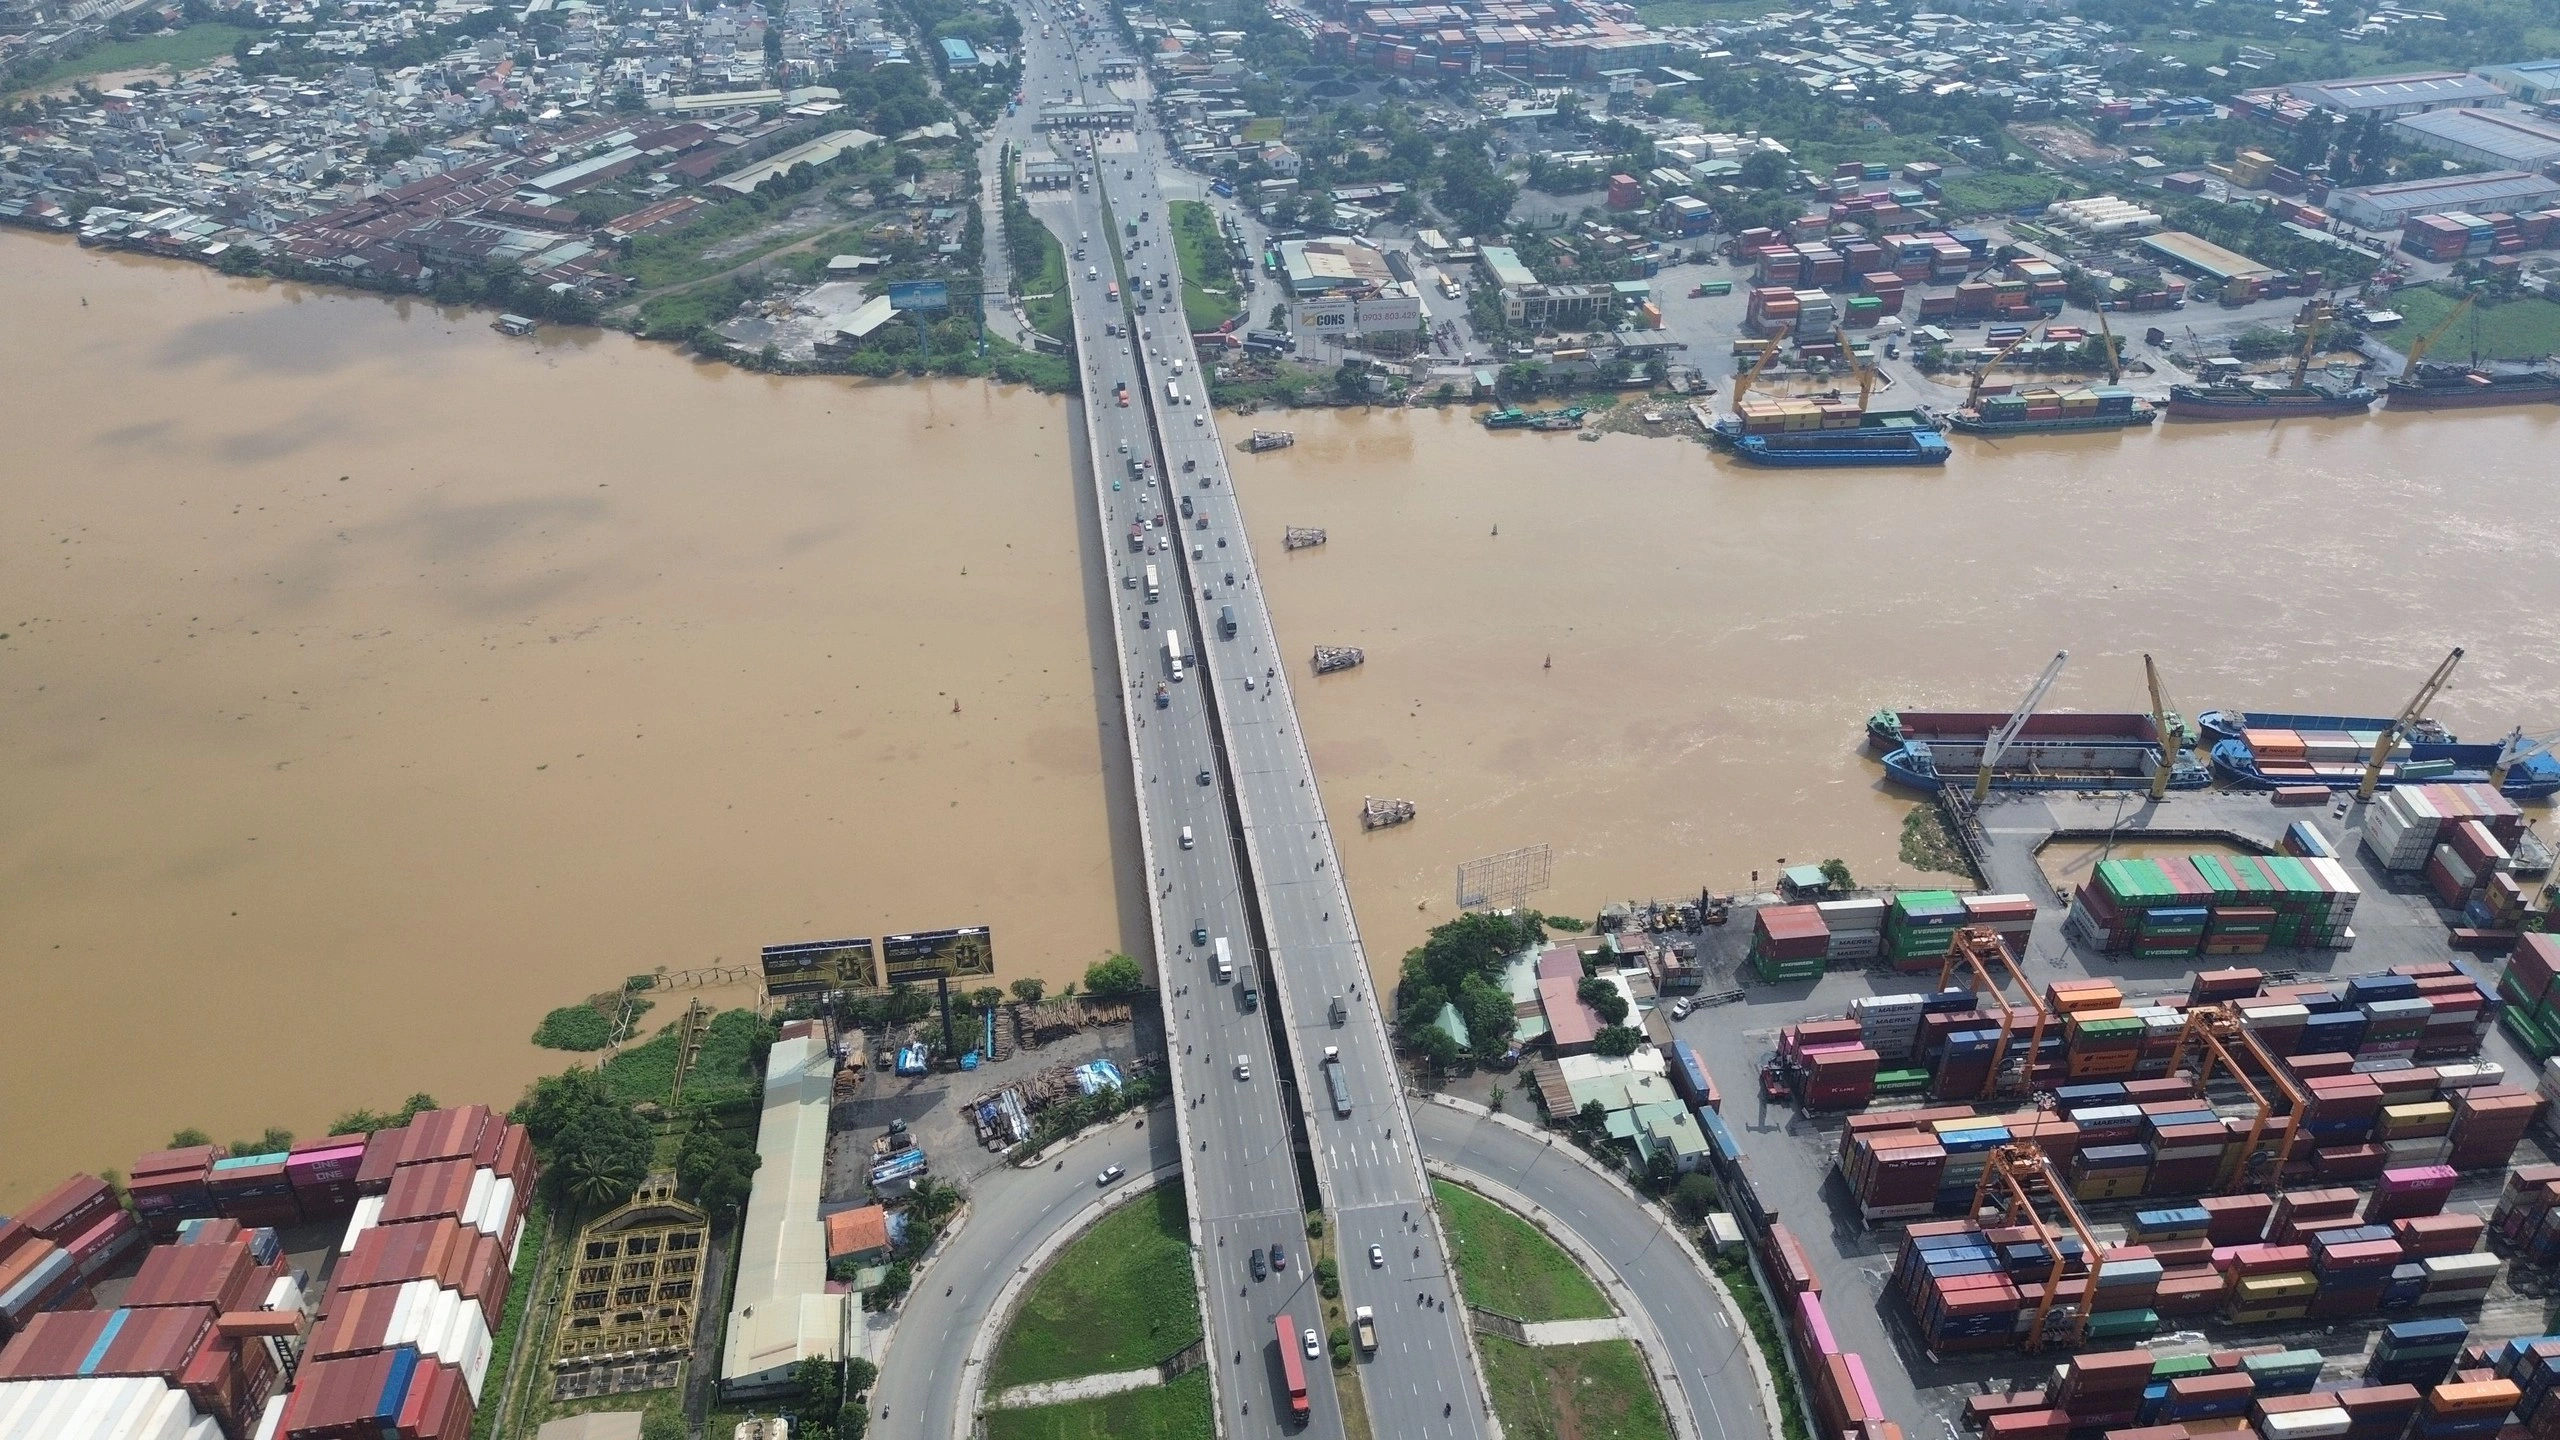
pixel 1866 372
pixel 1982 372
pixel 1995 744
pixel 2314 315
pixel 2407 720
pixel 2115 362
pixel 2426 342
pixel 1777 338
pixel 2519 748
pixel 2160 724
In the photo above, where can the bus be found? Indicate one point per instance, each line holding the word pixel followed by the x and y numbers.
pixel 1155 587
pixel 1226 960
pixel 1174 657
pixel 1291 1370
pixel 1172 393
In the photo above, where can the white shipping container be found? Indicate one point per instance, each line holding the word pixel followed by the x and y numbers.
pixel 2430 1150
pixel 368 1214
pixel 2304 1424
pixel 2342 887
pixel 2456 1269
pixel 271 1420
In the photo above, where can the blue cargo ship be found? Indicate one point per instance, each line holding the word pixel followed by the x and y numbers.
pixel 2059 751
pixel 2228 725
pixel 2423 762
pixel 1880 437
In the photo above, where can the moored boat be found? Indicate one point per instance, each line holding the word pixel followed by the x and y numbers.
pixel 1791 432
pixel 2463 387
pixel 2038 410
pixel 2241 399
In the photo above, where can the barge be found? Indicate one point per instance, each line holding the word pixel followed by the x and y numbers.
pixel 2061 751
pixel 2532 777
pixel 2463 387
pixel 2243 400
pixel 2363 729
pixel 1512 417
pixel 2039 411
pixel 1860 437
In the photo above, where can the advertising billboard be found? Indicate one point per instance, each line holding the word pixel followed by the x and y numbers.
pixel 920 294
pixel 814 967
pixel 918 958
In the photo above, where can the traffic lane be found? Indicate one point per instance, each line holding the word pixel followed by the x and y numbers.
pixel 1409 1381
pixel 1705 1354
pixel 1010 1213
pixel 1249 1312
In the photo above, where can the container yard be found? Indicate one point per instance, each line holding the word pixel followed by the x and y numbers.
pixel 382 1326
pixel 2272 1114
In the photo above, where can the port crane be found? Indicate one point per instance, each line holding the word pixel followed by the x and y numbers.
pixel 2115 362
pixel 1998 741
pixel 2160 723
pixel 1751 376
pixel 1982 372
pixel 2407 719
pixel 2519 748
pixel 2426 342
pixel 2314 315
pixel 1866 372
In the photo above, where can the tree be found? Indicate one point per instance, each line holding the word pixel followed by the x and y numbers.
pixel 187 1137
pixel 1439 1053
pixel 597 1147
pixel 1280 316
pixel 1351 379
pixel 1659 1171
pixel 714 1166
pixel 1486 1009
pixel 859 1376
pixel 1835 871
pixel 1604 997
pixel 1118 975
pixel 985 998
pixel 820 1397
pixel 1028 990
pixel 1616 1040
pixel 1593 1116
pixel 1693 1198
pixel 1763 170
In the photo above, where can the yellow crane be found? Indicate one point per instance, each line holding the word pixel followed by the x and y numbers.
pixel 1981 372
pixel 2115 364
pixel 1866 373
pixel 1998 741
pixel 1777 338
pixel 2160 723
pixel 2408 717
pixel 2314 315
pixel 2426 342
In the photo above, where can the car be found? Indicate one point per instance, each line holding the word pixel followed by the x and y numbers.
pixel 1129 582
pixel 1377 1257
pixel 1680 1009
pixel 1248 682
pixel 1279 1257
pixel 1124 447
pixel 1315 1347
pixel 1244 1071
pixel 1091 273
pixel 1204 776
pixel 1199 934
pixel 1255 1260
pixel 1187 843
pixel 1109 1174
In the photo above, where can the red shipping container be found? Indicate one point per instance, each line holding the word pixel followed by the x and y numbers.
pixel 68 1209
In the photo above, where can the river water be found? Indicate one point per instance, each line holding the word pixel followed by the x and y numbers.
pixel 373 683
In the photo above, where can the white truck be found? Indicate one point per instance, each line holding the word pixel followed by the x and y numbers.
pixel 1226 961
pixel 1364 1329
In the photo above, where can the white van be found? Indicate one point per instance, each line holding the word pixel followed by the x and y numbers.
pixel 1187 841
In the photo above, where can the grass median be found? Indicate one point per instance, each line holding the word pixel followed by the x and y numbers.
pixel 1202 247
pixel 1509 1266
pixel 1179 1411
pixel 1596 1391
pixel 1107 1301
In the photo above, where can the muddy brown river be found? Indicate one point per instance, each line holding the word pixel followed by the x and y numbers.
pixel 372 683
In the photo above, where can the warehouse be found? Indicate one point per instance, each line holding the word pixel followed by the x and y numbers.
pixel 2391 96
pixel 2202 258
pixel 2387 207
pixel 1335 263
pixel 781 1311
pixel 2533 82
pixel 2507 139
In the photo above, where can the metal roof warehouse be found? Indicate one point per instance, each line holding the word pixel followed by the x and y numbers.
pixel 2199 256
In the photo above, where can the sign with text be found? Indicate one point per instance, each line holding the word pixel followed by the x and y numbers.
pixel 920 294
pixel 814 967
pixel 921 957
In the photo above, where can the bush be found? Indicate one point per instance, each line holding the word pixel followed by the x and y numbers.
pixel 1328 1279
pixel 1340 1344
pixel 574 1027
pixel 1119 975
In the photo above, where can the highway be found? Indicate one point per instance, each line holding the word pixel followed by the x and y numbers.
pixel 1218 750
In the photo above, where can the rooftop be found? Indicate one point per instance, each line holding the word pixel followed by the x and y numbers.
pixel 2380 92
pixel 781 1313
pixel 2513 136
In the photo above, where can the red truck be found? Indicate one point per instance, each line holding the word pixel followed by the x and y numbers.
pixel 1293 1370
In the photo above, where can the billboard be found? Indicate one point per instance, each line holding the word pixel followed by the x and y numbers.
pixel 918 958
pixel 1344 315
pixel 814 967
pixel 920 294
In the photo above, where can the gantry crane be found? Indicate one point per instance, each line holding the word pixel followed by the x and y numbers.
pixel 1777 338
pixel 2408 718
pixel 2213 1033
pixel 2017 1172
pixel 1982 372
pixel 2518 748
pixel 2426 342
pixel 1866 373
pixel 2160 724
pixel 1982 952
pixel 1998 741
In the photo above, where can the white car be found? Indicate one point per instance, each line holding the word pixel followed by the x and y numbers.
pixel 1315 1347
pixel 1244 1068
pixel 1109 1175
pixel 1377 1257
pixel 1680 1009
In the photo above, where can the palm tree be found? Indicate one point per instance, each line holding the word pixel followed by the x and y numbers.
pixel 593 1181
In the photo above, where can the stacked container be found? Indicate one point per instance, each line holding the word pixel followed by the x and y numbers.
pixel 2528 987
pixel 2417 1352
pixel 1920 928
pixel 1790 942
pixel 2489 1121
pixel 1889 1024
pixel 168 1186
pixel 1857 929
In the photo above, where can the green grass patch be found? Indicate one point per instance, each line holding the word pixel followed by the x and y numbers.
pixel 1736 1274
pixel 537 1235
pixel 1045 292
pixel 673 317
pixel 1596 1391
pixel 574 1027
pixel 726 1069
pixel 1263 130
pixel 2516 329
pixel 1118 1298
pixel 184 49
pixel 1202 247
pixel 1179 1411
pixel 1984 194
pixel 1508 1266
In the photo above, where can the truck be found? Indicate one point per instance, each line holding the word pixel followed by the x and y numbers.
pixel 1247 994
pixel 1292 1371
pixel 1364 1329
pixel 1155 586
pixel 1226 960
pixel 1336 1081
pixel 1111 291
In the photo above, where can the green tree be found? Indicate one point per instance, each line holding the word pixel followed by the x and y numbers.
pixel 1439 1053
pixel 1659 1172
pixel 1118 975
pixel 1694 1197
pixel 859 1376
pixel 985 998
pixel 820 1397
pixel 1351 379
pixel 1604 997
pixel 662 1422
pixel 1616 1040
pixel 189 1136
pixel 1486 1009
pixel 1763 170
pixel 1836 872
pixel 1593 1116
pixel 597 1148
pixel 1028 990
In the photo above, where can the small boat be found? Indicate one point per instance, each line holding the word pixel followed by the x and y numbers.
pixel 1270 440
pixel 1378 814
pixel 2231 724
pixel 1301 537
pixel 1512 417
pixel 1330 658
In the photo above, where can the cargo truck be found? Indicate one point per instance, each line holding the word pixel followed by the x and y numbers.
pixel 1293 1372
pixel 1336 1081
pixel 1226 961
pixel 1364 1328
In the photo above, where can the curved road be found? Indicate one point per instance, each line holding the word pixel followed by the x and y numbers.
pixel 1010 1212
pixel 1661 1274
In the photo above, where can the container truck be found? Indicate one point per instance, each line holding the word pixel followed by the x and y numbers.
pixel 1336 1081
pixel 1226 961
pixel 1293 1371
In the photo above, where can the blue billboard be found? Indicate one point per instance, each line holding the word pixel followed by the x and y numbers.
pixel 920 294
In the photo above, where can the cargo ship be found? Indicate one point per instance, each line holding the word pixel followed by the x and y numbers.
pixel 2258 760
pixel 2363 730
pixel 2463 387
pixel 2039 410
pixel 2059 751
pixel 2243 399
pixel 1827 433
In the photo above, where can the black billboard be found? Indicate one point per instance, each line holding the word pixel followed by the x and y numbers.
pixel 815 966
pixel 920 957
